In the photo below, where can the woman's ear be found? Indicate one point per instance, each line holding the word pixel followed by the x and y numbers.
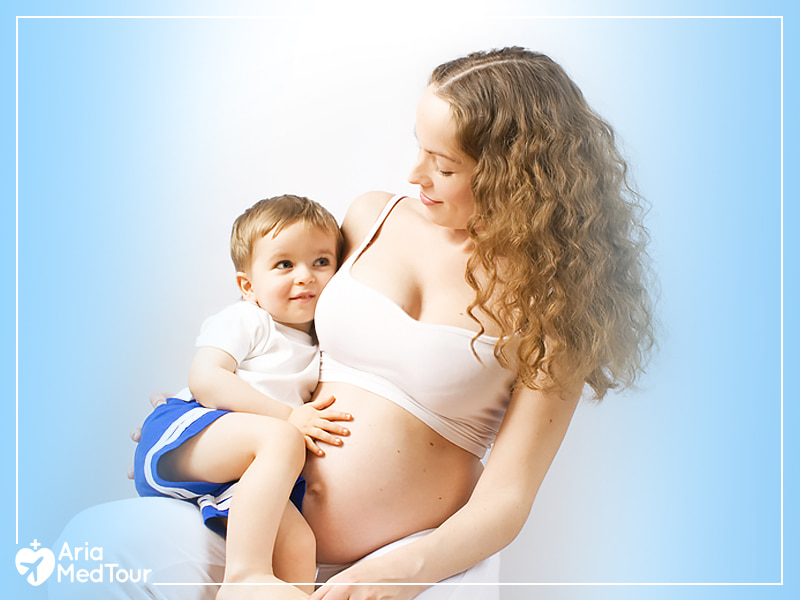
pixel 245 287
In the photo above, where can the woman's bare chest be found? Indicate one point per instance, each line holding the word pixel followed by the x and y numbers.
pixel 426 280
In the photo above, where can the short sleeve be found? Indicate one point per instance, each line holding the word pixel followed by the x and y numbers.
pixel 237 330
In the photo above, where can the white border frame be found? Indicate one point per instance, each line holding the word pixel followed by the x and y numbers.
pixel 537 17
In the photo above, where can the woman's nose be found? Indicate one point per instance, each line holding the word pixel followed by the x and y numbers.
pixel 417 175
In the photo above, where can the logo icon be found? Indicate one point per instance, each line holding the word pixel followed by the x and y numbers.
pixel 35 564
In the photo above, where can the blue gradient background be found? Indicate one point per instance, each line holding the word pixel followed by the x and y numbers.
pixel 141 139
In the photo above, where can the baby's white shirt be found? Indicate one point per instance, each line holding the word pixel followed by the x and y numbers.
pixel 277 360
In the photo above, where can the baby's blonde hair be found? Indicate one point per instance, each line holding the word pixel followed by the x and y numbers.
pixel 273 215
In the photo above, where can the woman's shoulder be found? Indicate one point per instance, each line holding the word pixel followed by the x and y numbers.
pixel 366 208
pixel 361 216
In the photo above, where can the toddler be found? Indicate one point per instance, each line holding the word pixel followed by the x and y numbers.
pixel 247 415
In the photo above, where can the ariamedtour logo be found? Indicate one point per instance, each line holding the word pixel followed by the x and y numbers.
pixel 35 564
pixel 76 564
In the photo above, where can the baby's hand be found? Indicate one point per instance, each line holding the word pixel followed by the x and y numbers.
pixel 317 421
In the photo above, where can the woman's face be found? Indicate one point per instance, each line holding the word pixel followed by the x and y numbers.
pixel 442 171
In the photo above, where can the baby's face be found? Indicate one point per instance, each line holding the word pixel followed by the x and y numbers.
pixel 289 270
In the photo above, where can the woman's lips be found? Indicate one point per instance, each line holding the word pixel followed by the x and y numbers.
pixel 427 201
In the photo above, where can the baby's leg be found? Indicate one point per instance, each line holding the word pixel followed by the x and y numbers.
pixel 266 455
pixel 294 559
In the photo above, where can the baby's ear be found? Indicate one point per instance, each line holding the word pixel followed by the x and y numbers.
pixel 245 287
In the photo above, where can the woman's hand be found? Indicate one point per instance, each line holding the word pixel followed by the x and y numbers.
pixel 317 421
pixel 136 433
pixel 370 579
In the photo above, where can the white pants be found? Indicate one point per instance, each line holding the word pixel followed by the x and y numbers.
pixel 136 546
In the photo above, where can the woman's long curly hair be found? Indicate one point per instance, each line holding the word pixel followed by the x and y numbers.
pixel 559 262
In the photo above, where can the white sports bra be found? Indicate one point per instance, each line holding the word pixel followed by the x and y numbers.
pixel 428 369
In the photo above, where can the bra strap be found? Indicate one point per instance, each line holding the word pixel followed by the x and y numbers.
pixel 375 227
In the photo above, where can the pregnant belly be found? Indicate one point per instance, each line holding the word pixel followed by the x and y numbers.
pixel 393 476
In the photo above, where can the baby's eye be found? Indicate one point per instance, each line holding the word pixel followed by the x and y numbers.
pixel 322 262
pixel 284 264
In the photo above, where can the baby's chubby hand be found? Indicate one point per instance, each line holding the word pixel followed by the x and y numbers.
pixel 317 421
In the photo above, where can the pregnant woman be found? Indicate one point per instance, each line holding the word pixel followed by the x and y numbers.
pixel 467 317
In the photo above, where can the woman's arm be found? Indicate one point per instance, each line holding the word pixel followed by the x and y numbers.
pixel 532 431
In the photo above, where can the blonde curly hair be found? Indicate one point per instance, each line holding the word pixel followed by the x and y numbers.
pixel 559 263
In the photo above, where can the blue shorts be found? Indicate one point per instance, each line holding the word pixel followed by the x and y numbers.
pixel 169 426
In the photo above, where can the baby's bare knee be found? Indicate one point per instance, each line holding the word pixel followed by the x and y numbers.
pixel 283 439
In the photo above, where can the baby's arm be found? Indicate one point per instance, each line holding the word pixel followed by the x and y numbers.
pixel 214 384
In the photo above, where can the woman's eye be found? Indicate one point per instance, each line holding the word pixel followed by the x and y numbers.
pixel 322 262
pixel 445 173
pixel 284 264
